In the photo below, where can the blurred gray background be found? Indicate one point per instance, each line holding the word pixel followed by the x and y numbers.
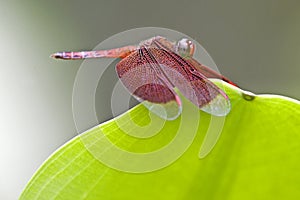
pixel 255 43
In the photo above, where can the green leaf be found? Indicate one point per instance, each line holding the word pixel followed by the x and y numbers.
pixel 256 156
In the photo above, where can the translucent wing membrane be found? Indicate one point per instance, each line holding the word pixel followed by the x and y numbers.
pixel 142 76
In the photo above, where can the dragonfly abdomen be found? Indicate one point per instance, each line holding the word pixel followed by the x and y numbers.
pixel 121 52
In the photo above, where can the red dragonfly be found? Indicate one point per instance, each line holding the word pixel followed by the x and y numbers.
pixel 153 69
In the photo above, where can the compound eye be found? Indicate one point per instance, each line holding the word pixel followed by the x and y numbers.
pixel 185 47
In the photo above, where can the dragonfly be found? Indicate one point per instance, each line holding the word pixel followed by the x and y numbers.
pixel 156 69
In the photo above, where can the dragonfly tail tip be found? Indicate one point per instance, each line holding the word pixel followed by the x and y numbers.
pixel 57 55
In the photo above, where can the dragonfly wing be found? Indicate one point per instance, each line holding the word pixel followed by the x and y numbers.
pixel 200 91
pixel 191 83
pixel 140 76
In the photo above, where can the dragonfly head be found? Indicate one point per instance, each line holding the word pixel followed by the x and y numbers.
pixel 185 47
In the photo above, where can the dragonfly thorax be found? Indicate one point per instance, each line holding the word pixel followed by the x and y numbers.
pixel 185 47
